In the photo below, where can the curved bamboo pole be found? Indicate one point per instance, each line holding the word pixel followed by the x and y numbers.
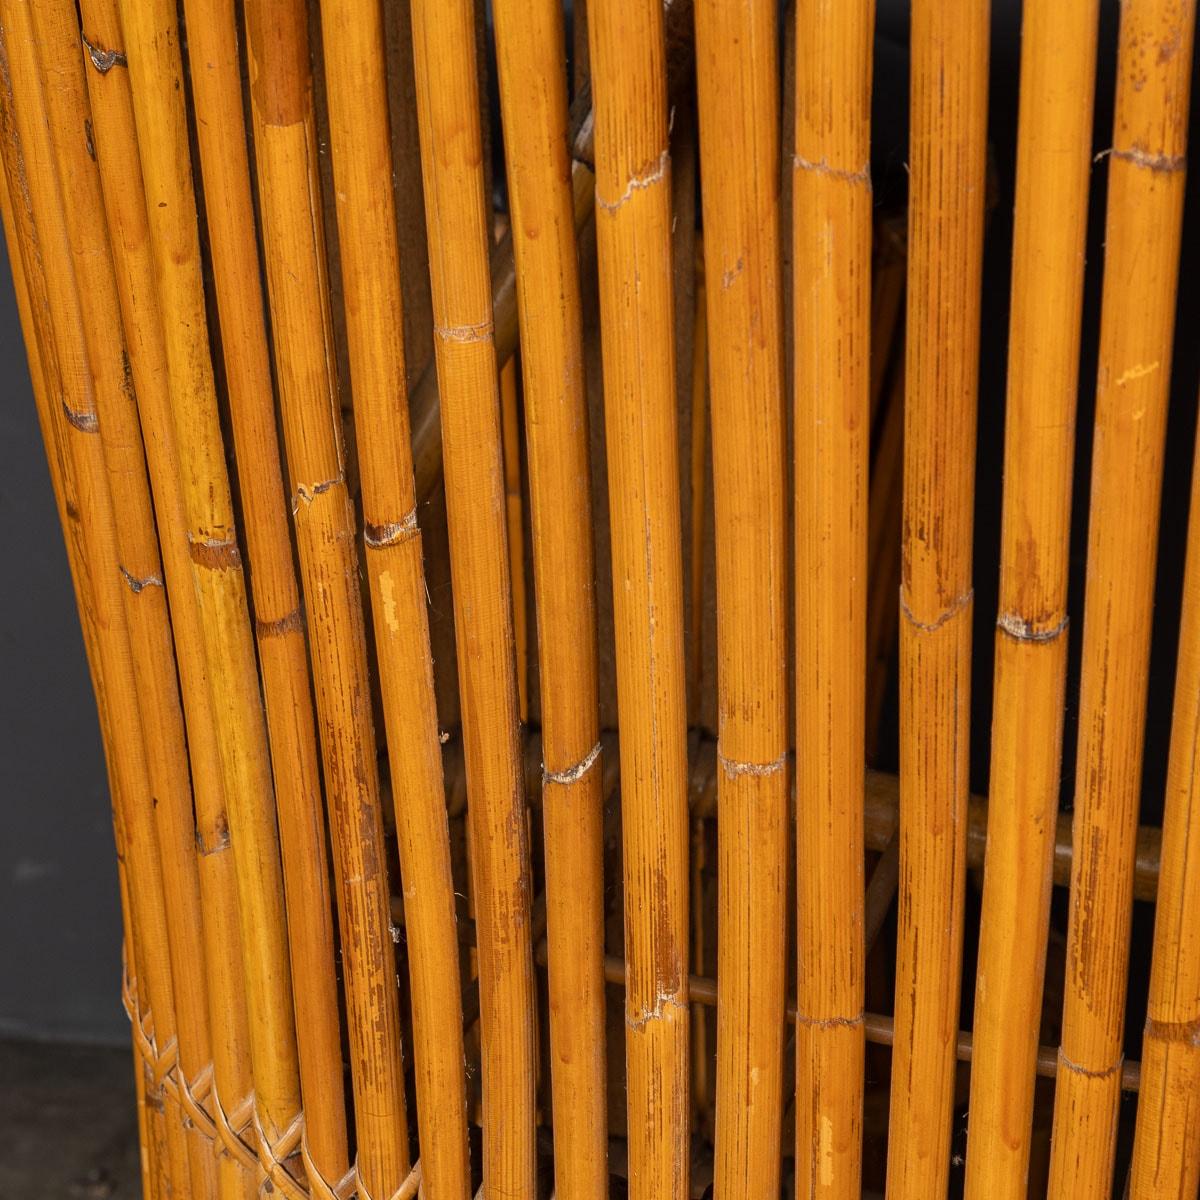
pixel 355 80
pixel 633 232
pixel 459 238
pixel 152 49
pixel 529 44
pixel 1141 264
pixel 736 75
pixel 946 203
pixel 216 85
pixel 1058 68
pixel 831 267
pixel 294 252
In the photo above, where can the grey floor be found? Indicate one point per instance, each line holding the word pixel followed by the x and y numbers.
pixel 68 1125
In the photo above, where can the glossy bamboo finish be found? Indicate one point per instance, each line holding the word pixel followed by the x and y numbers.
pixel 831 189
pixel 633 231
pixel 529 41
pixel 362 161
pixel 948 128
pixel 459 235
pixel 736 75
pixel 1145 194
pixel 1053 171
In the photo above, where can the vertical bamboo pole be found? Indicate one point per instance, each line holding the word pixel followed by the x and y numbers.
pixel 736 75
pixel 831 190
pixel 294 250
pixel 1166 1149
pixel 1058 67
pixel 529 44
pixel 946 204
pixel 356 85
pixel 459 233
pixel 1141 264
pixel 216 85
pixel 511 443
pixel 156 72
pixel 633 232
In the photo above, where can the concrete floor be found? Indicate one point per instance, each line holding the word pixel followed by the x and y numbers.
pixel 68 1125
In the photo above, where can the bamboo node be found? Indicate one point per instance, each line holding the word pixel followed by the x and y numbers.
pixel 734 767
pixel 217 554
pixel 1183 1033
pixel 830 1022
pixel 933 626
pixel 1022 630
pixel 1139 371
pixel 482 331
pixel 290 623
pixel 1102 1073
pixel 575 773
pixel 821 167
pixel 221 842
pixel 308 492
pixel 85 422
pixel 391 533
pixel 103 60
pixel 639 1021
pixel 655 172
pixel 1160 164
pixel 136 585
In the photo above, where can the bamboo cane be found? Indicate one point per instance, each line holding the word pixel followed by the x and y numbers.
pixel 49 271
pixel 362 163
pixel 283 657
pixel 1166 1150
pixel 459 238
pixel 1053 168
pixel 736 73
pixel 511 445
pixel 633 230
pixel 529 41
pixel 294 250
pixel 832 281
pixel 946 207
pixel 152 48
pixel 1145 197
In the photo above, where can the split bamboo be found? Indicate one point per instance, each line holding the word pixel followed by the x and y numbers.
pixel 633 231
pixel 1053 168
pixel 362 163
pixel 459 237
pixel 529 43
pixel 736 76
pixel 831 269
pixel 1141 264
pixel 947 153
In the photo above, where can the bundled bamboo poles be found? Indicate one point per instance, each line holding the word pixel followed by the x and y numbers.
pixel 362 160
pixel 633 230
pixel 739 125
pixel 831 189
pixel 946 196
pixel 1054 164
pixel 529 41
pixel 459 239
pixel 1145 197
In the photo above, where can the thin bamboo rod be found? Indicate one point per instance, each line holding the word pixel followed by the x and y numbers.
pixel 1053 168
pixel 355 77
pixel 633 231
pixel 459 239
pixel 831 189
pixel 49 271
pixel 216 86
pixel 514 520
pixel 529 44
pixel 1141 264
pixel 1166 1148
pixel 152 49
pixel 736 74
pixel 294 251
pixel 948 133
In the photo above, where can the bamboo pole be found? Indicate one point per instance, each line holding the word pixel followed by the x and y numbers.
pixel 736 74
pixel 1053 168
pixel 529 42
pixel 1166 1149
pixel 831 188
pixel 216 87
pixel 152 48
pixel 362 163
pixel 49 270
pixel 633 231
pixel 459 238
pixel 511 444
pixel 1145 197
pixel 946 208
pixel 294 251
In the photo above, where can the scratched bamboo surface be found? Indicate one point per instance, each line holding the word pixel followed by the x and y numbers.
pixel 436 476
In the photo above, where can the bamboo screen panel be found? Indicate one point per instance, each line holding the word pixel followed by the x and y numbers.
pixel 540 501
